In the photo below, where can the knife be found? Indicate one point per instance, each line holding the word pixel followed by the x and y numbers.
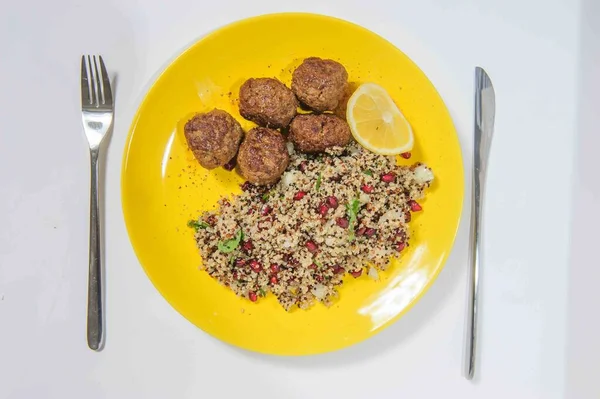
pixel 485 112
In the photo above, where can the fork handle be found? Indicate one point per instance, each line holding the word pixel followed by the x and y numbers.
pixel 94 309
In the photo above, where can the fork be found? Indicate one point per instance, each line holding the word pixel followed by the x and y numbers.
pixel 97 114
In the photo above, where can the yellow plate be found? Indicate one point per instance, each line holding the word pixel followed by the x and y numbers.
pixel 163 186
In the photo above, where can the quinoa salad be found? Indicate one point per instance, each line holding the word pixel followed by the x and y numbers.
pixel 341 212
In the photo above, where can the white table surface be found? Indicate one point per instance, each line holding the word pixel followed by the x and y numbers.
pixel 538 334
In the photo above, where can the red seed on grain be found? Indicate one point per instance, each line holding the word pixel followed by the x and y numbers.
pixel 370 232
pixel 332 202
pixel 273 279
pixel 247 246
pixel 400 246
pixel 312 266
pixel 302 166
pixel 367 188
pixel 356 273
pixel 266 210
pixel 274 267
pixel 361 231
pixel 311 246
pixel 247 186
pixel 299 195
pixel 338 269
pixel 319 278
pixel 252 296
pixel 323 209
pixel 414 206
pixel 255 266
pixel 342 222
pixel 388 177
pixel 406 155
pixel 240 262
pixel 230 165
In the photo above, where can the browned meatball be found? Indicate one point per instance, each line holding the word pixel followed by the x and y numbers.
pixel 320 84
pixel 263 156
pixel 315 133
pixel 267 102
pixel 213 137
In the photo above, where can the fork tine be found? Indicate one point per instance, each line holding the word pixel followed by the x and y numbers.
pixel 85 85
pixel 99 96
pixel 93 87
pixel 106 90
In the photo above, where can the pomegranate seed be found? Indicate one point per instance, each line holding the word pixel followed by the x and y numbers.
pixel 311 246
pixel 247 186
pixel 356 273
pixel 400 246
pixel 361 231
pixel 212 219
pixel 414 206
pixel 266 210
pixel 370 232
pixel 250 211
pixel 338 269
pixel 302 166
pixel 312 266
pixel 400 233
pixel 240 262
pixel 388 177
pixel 273 279
pixel 367 188
pixel 342 222
pixel 255 266
pixel 235 275
pixel 332 202
pixel 299 195
pixel 319 278
pixel 323 210
pixel 252 296
pixel 274 268
pixel 287 257
pixel 230 165
pixel 406 155
pixel 247 246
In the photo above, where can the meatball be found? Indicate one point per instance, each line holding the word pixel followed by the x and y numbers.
pixel 263 156
pixel 267 102
pixel 213 137
pixel 320 84
pixel 315 133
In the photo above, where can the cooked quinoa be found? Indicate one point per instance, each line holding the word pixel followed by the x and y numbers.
pixel 344 211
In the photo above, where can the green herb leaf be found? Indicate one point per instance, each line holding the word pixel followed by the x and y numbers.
pixel 318 185
pixel 368 172
pixel 230 245
pixel 196 225
pixel 352 209
pixel 316 262
pixel 262 292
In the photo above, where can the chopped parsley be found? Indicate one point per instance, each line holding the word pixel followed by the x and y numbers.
pixel 318 185
pixel 316 262
pixel 368 172
pixel 196 225
pixel 262 292
pixel 230 245
pixel 352 209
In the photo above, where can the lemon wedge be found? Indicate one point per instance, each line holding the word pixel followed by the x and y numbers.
pixel 376 122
